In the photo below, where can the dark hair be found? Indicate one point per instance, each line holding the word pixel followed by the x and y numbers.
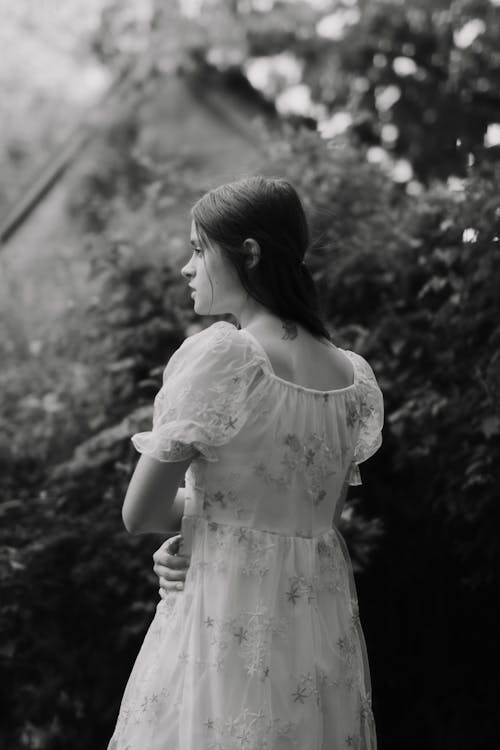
pixel 269 211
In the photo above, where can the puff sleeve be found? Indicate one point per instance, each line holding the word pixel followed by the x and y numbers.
pixel 211 385
pixel 371 418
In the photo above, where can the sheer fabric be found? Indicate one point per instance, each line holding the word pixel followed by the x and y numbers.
pixel 210 386
pixel 263 649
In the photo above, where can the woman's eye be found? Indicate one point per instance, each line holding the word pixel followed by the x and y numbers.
pixel 197 249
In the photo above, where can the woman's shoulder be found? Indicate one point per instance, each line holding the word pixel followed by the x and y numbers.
pixel 219 344
pixel 363 370
pixel 304 360
pixel 218 338
pixel 218 330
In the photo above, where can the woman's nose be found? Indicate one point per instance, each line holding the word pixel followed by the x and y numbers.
pixel 186 272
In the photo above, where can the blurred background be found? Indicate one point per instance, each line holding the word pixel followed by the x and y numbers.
pixel 115 118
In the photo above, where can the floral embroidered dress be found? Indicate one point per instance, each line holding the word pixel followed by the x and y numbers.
pixel 263 648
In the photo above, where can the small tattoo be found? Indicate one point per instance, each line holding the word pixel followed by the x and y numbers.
pixel 290 329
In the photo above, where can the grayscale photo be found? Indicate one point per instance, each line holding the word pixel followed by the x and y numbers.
pixel 250 374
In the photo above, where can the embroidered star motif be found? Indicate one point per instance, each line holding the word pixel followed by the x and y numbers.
pixel 209 622
pixel 320 497
pixel 219 498
pixel 310 457
pixel 293 594
pixel 241 635
pixel 352 415
pixel 209 723
pixel 299 695
pixel 230 423
pixel 349 740
pixel 244 735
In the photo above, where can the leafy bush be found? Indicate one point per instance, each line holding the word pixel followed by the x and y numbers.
pixel 415 78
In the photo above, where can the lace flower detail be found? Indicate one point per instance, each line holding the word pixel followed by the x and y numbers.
pixel 365 416
pixel 249 730
pixel 313 458
pixel 251 633
pixel 332 566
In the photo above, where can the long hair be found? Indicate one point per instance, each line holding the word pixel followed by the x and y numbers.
pixel 269 211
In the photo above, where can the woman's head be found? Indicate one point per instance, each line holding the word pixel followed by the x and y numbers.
pixel 250 238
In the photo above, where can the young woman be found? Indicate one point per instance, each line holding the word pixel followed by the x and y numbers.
pixel 261 647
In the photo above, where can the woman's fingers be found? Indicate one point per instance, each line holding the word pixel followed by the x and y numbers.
pixel 170 585
pixel 176 562
pixel 169 546
pixel 170 567
pixel 172 575
pixel 164 556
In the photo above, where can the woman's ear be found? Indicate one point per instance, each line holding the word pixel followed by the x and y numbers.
pixel 253 249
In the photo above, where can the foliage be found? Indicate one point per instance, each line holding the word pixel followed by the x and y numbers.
pixel 66 603
pixel 416 78
pixel 425 56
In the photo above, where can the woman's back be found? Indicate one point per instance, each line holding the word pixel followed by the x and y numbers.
pixel 297 356
pixel 281 451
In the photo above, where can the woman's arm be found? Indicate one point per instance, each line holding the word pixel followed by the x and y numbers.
pixel 151 494
pixel 170 523
pixel 166 519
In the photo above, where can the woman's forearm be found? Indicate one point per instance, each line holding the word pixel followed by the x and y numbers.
pixel 166 520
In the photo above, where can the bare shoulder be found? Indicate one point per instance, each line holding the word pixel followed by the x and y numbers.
pixel 301 358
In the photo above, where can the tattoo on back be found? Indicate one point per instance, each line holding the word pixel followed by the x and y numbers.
pixel 290 329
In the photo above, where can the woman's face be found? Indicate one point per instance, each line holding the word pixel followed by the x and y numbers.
pixel 217 288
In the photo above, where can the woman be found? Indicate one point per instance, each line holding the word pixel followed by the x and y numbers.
pixel 261 648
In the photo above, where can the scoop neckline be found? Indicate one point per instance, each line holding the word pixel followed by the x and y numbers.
pixel 297 386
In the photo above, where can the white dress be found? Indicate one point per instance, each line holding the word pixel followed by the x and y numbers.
pixel 263 648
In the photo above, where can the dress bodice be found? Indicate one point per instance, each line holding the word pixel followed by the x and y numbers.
pixel 267 453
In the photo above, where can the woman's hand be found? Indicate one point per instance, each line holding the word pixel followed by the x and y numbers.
pixel 170 566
